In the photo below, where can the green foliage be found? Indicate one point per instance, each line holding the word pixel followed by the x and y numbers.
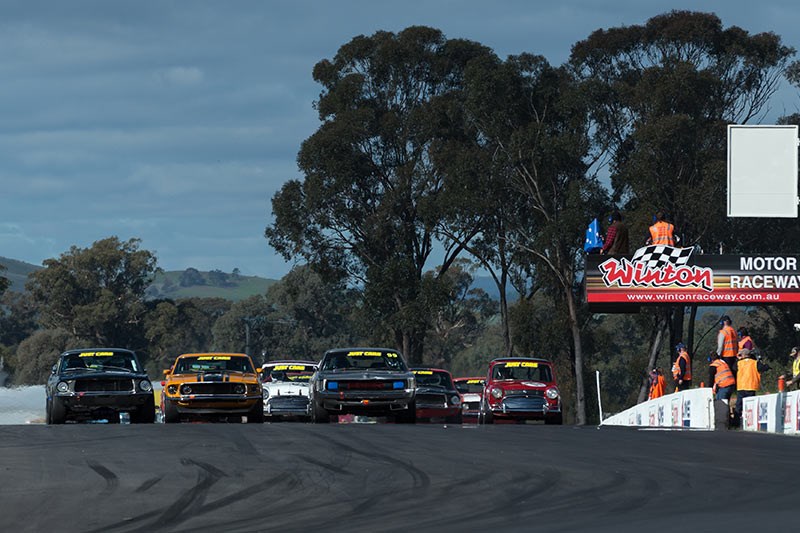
pixel 183 326
pixel 369 202
pixel 17 317
pixel 662 95
pixel 4 282
pixel 36 355
pixel 96 293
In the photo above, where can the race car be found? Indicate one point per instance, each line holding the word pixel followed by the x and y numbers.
pixel 372 382
pixel 285 385
pixel 520 389
pixel 212 386
pixel 99 384
pixel 437 397
pixel 471 390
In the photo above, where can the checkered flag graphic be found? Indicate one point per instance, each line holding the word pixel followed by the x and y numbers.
pixel 656 256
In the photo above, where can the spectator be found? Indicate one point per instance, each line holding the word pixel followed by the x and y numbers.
pixel 662 232
pixel 748 378
pixel 682 368
pixel 722 378
pixel 745 341
pixel 727 343
pixel 616 241
pixel 657 384
pixel 795 355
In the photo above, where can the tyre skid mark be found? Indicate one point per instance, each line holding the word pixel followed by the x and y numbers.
pixel 112 481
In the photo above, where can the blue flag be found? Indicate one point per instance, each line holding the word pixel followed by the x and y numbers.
pixel 594 241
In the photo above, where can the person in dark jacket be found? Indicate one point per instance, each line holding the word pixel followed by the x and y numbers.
pixel 617 236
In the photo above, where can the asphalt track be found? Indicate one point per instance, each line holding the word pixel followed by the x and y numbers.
pixel 290 477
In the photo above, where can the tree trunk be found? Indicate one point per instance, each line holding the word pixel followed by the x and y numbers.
pixel 580 398
pixel 690 333
pixel 661 325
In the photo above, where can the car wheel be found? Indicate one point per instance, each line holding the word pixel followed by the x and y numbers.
pixel 455 419
pixel 485 415
pixel 256 414
pixel 409 416
pixel 170 413
pixel 145 414
pixel 554 419
pixel 319 415
pixel 57 412
pixel 47 412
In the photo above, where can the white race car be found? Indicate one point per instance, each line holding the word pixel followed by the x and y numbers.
pixel 285 385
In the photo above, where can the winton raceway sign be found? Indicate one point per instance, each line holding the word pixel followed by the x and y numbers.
pixel 669 275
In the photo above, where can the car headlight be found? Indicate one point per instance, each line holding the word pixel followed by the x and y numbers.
pixel 265 392
pixel 186 389
pixel 496 392
pixel 238 388
pixel 172 389
pixel 254 389
pixel 552 393
pixel 145 385
pixel 455 400
pixel 412 383
pixel 62 386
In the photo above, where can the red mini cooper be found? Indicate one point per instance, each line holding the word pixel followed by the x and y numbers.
pixel 519 389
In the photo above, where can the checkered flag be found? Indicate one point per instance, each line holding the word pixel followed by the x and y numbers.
pixel 659 255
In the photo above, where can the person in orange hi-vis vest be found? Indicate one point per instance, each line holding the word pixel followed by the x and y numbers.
pixel 682 368
pixel 662 232
pixel 728 343
pixel 721 376
pixel 657 384
pixel 748 378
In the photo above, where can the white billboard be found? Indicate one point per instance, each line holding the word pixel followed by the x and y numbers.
pixel 762 171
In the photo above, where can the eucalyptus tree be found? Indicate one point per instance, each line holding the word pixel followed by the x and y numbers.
pixel 368 205
pixel 533 119
pixel 96 294
pixel 662 96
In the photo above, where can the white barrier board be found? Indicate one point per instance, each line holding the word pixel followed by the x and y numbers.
pixel 687 409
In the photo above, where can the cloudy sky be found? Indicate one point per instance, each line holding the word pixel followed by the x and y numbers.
pixel 176 121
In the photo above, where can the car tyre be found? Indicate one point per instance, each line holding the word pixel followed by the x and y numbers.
pixel 455 419
pixel 256 414
pixel 554 419
pixel 408 416
pixel 319 415
pixel 171 415
pixel 485 416
pixel 57 414
pixel 146 414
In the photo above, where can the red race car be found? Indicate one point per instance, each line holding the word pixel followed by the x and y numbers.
pixel 471 390
pixel 519 389
pixel 437 397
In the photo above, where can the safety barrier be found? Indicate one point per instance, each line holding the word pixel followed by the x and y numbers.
pixel 692 408
pixel 772 413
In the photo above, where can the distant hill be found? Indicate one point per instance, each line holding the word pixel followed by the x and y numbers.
pixel 189 283
pixel 192 283
pixel 17 272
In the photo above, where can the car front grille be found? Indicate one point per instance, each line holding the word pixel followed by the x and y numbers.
pixel 211 388
pixel 103 385
pixel 430 400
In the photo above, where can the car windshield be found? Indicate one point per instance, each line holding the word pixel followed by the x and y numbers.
pixel 364 360
pixel 100 361
pixel 431 378
pixel 527 370
pixel 467 386
pixel 213 363
pixel 291 373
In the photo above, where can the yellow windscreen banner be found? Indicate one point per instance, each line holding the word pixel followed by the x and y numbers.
pixel 96 354
pixel 524 364
pixel 214 358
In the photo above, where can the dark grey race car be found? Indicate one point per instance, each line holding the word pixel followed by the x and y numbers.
pixel 363 381
pixel 99 383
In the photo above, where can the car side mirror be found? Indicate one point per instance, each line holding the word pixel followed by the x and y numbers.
pixel 259 370
pixel 166 371
pixel 53 369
